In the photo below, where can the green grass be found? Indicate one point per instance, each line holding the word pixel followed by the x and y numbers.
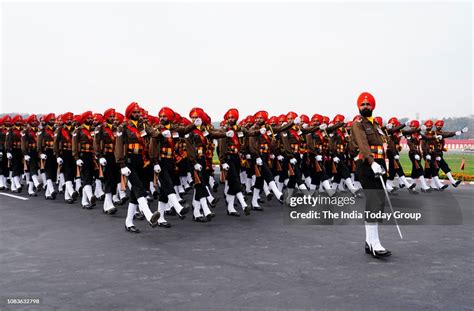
pixel 453 160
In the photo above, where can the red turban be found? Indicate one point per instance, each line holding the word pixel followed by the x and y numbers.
pixel 439 123
pixel 206 119
pixel 261 114
pixel 222 124
pixel 6 119
pixel 108 113
pixel 291 114
pixel 232 112
pixel 196 112
pixel 130 108
pixel 85 116
pixel 349 124
pixel 67 116
pixel 338 118
pixel 17 118
pixel 366 96
pixel 120 117
pixel 325 120
pixel 394 121
pixel 48 117
pixel 282 118
pixel 250 119
pixel 428 123
pixel 168 112
pixel 98 117
pixel 273 120
pixel 31 119
pixel 378 120
pixel 317 117
pixel 304 118
pixel 185 121
pixel 414 123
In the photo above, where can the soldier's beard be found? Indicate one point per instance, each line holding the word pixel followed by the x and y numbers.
pixel 134 118
pixel 366 113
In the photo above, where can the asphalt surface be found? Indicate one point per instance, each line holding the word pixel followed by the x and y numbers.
pixel 75 259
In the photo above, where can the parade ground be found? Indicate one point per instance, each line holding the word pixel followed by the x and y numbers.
pixel 76 259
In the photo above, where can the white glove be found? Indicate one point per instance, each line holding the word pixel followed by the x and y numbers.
pixel 389 126
pixel 396 157
pixel 319 158
pixel 259 161
pixel 336 159
pixel 197 167
pixel 297 120
pixel 464 130
pixel 198 122
pixel 423 127
pixel 103 161
pixel 9 155
pixel 378 170
pixel 27 158
pixel 407 123
pixel 304 126
pixel 438 158
pixel 428 157
pixel 79 162
pixel 225 166
pixel 439 137
pixel 166 133
pixel 59 160
pixel 125 171
pixel 280 158
pixel 284 123
pixel 323 126
pixel 1 154
pixel 43 156
pixel 417 157
pixel 248 156
pixel 157 168
pixel 458 133
pixel 229 133
pixel 263 131
pixel 293 161
pixel 272 156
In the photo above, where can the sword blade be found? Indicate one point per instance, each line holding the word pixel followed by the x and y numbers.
pixel 390 204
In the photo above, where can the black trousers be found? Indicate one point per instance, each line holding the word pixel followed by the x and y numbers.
pixel 68 166
pixel 135 164
pixel 50 165
pixel 265 173
pixel 392 171
pixel 443 165
pixel 16 162
pixel 342 169
pixel 4 164
pixel 373 189
pixel 87 169
pixel 233 174
pixel 33 164
pixel 296 178
pixel 166 179
pixel 203 175
pixel 111 174
pixel 416 166
pixel 318 177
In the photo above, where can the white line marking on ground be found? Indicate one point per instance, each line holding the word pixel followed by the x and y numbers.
pixel 15 196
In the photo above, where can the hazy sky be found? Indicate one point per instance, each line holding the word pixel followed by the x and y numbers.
pixel 306 57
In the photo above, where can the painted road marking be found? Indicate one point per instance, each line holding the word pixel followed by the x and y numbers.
pixel 14 196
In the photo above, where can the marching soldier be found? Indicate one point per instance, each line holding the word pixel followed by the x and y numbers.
pixel 14 153
pixel 197 144
pixel 392 131
pixel 97 121
pixel 104 142
pixel 46 151
pixel 129 154
pixel 260 148
pixel 229 156
pixel 30 151
pixel 440 147
pixel 83 153
pixel 64 157
pixel 4 128
pixel 367 138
